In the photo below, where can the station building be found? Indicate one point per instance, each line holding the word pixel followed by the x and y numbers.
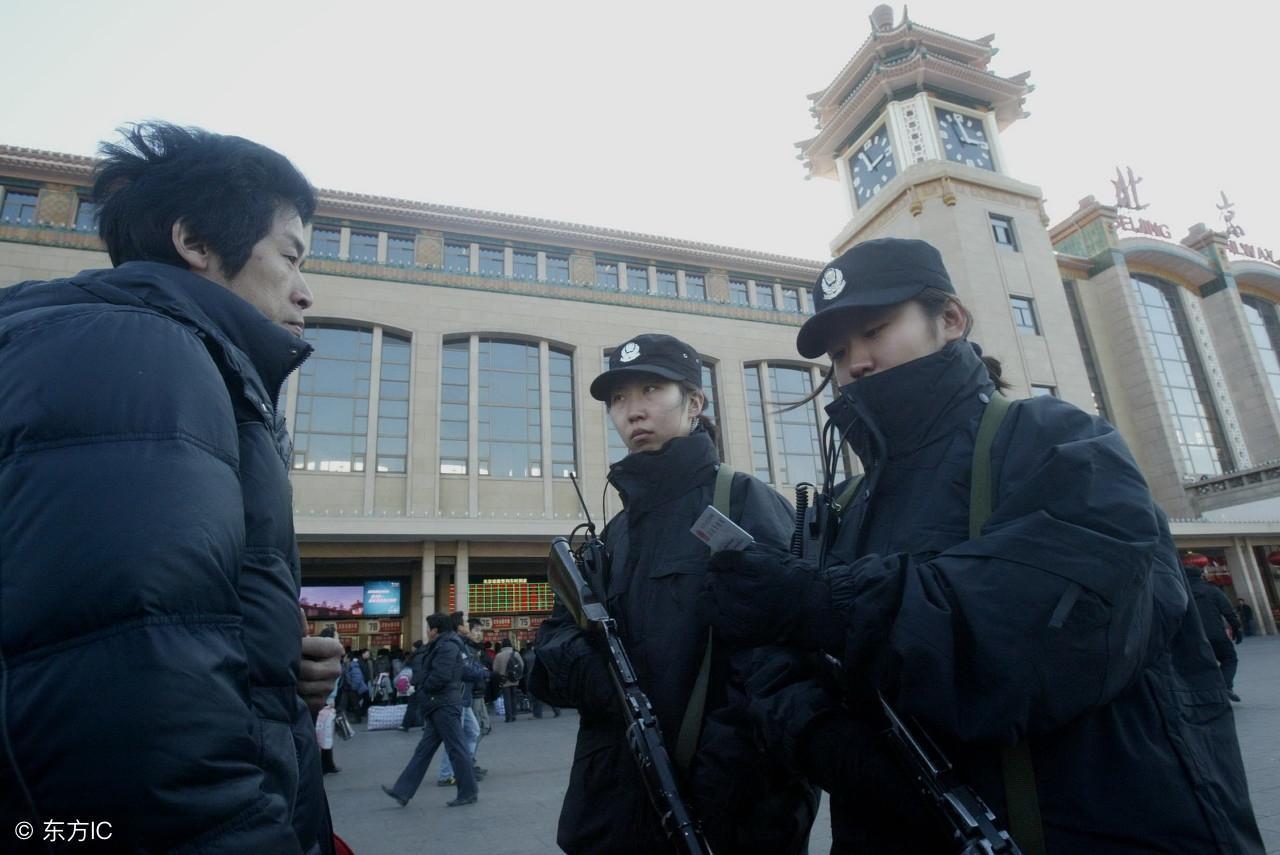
pixel 446 403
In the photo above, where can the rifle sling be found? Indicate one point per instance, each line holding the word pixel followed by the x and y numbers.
pixel 691 725
pixel 1021 799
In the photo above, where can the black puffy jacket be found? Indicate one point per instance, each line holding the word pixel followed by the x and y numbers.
pixel 441 679
pixel 1067 621
pixel 656 569
pixel 149 573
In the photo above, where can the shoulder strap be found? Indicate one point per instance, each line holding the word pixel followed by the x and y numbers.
pixel 691 724
pixel 846 495
pixel 1021 799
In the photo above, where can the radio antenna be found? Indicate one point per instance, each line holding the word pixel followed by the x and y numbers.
pixel 591 526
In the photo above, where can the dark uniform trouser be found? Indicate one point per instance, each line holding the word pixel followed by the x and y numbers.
pixel 1228 660
pixel 509 701
pixel 443 725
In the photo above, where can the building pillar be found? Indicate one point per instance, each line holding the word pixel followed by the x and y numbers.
pixel 426 588
pixel 1255 585
pixel 622 276
pixel 344 243
pixel 462 578
pixel 382 247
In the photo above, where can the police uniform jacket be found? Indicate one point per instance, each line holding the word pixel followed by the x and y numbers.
pixel 149 581
pixel 655 571
pixel 1066 622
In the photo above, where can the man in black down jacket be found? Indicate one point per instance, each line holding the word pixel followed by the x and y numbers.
pixel 150 564
pixel 439 692
pixel 1214 608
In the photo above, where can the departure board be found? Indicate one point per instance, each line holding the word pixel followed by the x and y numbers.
pixel 506 596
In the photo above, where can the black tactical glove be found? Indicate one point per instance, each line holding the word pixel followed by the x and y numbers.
pixel 763 595
pixel 784 717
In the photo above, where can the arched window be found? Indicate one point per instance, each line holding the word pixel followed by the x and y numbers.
pixel 1182 378
pixel 510 408
pixel 785 446
pixel 331 418
pixel 1264 324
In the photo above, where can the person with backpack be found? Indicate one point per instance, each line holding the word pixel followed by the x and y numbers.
pixel 509 665
pixel 745 799
pixel 1000 576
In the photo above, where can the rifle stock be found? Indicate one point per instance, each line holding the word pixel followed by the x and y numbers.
pixel 644 737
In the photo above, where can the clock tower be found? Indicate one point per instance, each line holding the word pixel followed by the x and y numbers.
pixel 910 129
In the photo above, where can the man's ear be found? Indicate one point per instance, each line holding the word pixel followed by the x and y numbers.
pixel 697 403
pixel 192 250
pixel 955 321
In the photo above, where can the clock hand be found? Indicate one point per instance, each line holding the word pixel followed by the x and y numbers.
pixel 869 164
pixel 876 162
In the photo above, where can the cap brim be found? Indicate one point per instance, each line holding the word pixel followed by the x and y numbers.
pixel 816 334
pixel 601 385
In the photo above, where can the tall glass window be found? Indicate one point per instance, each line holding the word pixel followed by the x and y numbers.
pixel 712 408
pixel 491 261
pixel 637 278
pixel 1195 423
pixel 764 296
pixel 738 292
pixel 524 265
pixel 791 299
pixel 455 398
pixel 509 410
pixel 19 207
pixel 557 268
pixel 666 282
pixel 1265 327
pixel 1024 315
pixel 797 450
pixel 457 257
pixel 756 411
pixel 86 216
pixel 363 246
pixel 325 242
pixel 560 372
pixel 695 286
pixel 393 405
pixel 332 417
pixel 607 275
pixel 400 250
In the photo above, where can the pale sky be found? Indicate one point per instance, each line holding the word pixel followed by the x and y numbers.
pixel 671 118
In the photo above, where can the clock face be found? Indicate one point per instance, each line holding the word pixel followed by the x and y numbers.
pixel 964 139
pixel 872 166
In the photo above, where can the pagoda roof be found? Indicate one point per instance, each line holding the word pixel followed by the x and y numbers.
pixel 919 69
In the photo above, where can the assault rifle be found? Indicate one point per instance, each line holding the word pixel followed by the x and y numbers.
pixel 567 574
pixel 972 823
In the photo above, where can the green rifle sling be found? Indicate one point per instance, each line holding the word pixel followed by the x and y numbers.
pixel 691 726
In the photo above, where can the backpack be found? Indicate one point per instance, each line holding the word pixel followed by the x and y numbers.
pixel 403 680
pixel 515 668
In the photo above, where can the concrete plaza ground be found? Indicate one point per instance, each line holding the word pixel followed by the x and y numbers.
pixel 528 763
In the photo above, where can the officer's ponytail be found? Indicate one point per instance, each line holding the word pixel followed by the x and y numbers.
pixel 704 422
pixel 934 302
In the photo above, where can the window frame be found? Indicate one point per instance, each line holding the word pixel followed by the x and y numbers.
pixel 1000 223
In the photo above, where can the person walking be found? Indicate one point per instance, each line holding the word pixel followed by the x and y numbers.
pixel 474 678
pixel 441 686
pixel 1005 580
pixel 479 702
pixel 746 799
pixel 535 704
pixel 1246 615
pixel 1216 615
pixel 358 690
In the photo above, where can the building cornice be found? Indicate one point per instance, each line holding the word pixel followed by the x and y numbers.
pixel 54 166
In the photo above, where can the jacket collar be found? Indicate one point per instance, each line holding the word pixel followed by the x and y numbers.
pixel 896 412
pixel 272 351
pixel 649 478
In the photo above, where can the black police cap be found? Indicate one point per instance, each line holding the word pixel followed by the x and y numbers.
pixel 880 272
pixel 651 353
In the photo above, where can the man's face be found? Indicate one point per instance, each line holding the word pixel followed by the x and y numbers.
pixel 477 633
pixel 271 281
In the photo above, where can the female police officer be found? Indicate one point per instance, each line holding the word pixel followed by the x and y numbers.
pixel 653 391
pixel 1051 653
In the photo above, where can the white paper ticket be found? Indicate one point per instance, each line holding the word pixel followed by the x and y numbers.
pixel 719 532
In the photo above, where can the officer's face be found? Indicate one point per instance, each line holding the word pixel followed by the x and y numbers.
pixel 649 412
pixel 878 340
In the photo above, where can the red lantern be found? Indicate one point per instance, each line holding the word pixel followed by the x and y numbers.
pixel 1274 559
pixel 1195 559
